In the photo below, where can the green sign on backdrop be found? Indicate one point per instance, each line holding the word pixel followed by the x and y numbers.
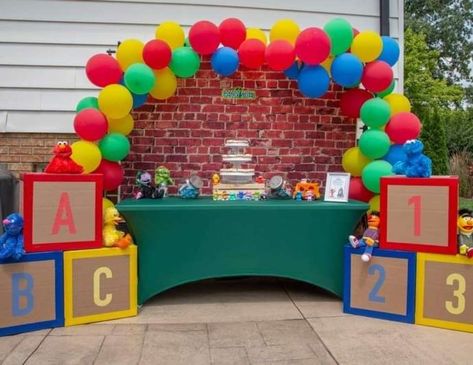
pixel 238 93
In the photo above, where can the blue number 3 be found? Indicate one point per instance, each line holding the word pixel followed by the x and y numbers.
pixel 373 296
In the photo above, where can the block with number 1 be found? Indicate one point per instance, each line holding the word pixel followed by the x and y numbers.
pixel 419 214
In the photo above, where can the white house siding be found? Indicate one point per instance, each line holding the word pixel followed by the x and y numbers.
pixel 45 44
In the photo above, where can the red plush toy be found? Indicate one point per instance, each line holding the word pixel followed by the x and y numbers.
pixel 62 162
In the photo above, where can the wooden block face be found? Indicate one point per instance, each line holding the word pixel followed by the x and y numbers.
pixel 381 288
pixel 32 292
pixel 419 214
pixel 445 291
pixel 62 212
pixel 100 284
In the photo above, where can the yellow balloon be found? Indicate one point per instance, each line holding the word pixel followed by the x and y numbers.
pixel 398 103
pixel 256 33
pixel 87 154
pixel 107 203
pixel 130 51
pixel 123 126
pixel 374 203
pixel 166 84
pixel 367 45
pixel 353 161
pixel 115 101
pixel 327 64
pixel 171 33
pixel 285 29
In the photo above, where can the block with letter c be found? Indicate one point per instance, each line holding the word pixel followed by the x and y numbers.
pixel 99 285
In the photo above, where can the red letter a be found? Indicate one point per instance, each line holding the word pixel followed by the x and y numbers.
pixel 64 215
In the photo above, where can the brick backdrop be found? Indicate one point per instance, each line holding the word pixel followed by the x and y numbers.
pixel 289 134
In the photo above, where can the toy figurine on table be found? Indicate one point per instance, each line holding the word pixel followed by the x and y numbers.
pixel 370 237
pixel 305 190
pixel 145 188
pixel 162 179
pixel 465 232
pixel 279 189
pixel 190 190
pixel 11 241
pixel 62 163
pixel 416 164
pixel 112 237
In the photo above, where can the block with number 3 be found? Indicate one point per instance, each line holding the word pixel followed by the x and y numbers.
pixel 382 288
pixel 445 291
pixel 419 214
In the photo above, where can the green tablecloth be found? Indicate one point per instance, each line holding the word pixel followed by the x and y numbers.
pixel 180 241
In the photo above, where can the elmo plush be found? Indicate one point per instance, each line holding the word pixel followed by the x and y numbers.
pixel 62 163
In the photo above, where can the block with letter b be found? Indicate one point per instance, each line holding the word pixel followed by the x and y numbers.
pixel 382 288
pixel 100 284
pixel 61 211
pixel 445 291
pixel 32 293
pixel 419 214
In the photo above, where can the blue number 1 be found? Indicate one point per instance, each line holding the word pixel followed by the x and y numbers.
pixel 373 296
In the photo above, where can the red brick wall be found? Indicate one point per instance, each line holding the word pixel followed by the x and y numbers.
pixel 289 134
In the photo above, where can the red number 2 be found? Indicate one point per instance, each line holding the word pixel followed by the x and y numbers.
pixel 415 199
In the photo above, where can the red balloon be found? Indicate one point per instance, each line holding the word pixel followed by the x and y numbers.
pixel 402 127
pixel 358 191
pixel 377 76
pixel 352 100
pixel 90 124
pixel 280 55
pixel 251 53
pixel 103 70
pixel 157 54
pixel 112 174
pixel 313 46
pixel 232 32
pixel 204 37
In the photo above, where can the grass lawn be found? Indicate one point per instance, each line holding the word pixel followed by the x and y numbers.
pixel 466 203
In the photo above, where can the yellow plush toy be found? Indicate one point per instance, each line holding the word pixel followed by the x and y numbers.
pixel 112 237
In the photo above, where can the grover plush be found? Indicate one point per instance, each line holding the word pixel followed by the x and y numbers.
pixel 417 164
pixel 11 242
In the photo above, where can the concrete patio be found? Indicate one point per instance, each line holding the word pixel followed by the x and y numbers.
pixel 244 321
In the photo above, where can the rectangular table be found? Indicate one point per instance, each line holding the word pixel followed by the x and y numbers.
pixel 181 241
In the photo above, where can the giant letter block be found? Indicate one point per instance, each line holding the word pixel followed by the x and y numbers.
pixel 445 291
pixel 419 214
pixel 382 288
pixel 61 211
pixel 100 284
pixel 32 293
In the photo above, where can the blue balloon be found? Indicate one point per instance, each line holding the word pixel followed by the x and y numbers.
pixel 347 70
pixel 313 81
pixel 139 100
pixel 395 154
pixel 293 71
pixel 225 61
pixel 390 53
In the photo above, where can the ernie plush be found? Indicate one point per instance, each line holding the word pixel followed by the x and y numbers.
pixel 465 232
pixel 370 237
pixel 62 163
pixel 112 237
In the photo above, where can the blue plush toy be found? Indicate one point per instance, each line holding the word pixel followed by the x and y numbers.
pixel 416 164
pixel 11 242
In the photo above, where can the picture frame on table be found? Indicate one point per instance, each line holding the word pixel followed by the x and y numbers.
pixel 337 185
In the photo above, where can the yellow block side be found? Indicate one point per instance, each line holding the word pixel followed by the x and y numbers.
pixel 420 282
pixel 69 256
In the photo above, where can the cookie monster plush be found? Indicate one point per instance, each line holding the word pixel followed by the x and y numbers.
pixel 416 164
pixel 11 242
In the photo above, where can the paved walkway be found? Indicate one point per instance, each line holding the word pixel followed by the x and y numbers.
pixel 246 321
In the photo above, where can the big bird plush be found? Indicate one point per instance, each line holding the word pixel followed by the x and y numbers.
pixel 112 237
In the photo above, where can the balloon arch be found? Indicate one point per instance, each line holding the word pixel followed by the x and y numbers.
pixel 313 57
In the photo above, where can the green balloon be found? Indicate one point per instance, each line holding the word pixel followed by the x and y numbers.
pixel 372 173
pixel 139 78
pixel 89 102
pixel 374 143
pixel 114 147
pixel 340 33
pixel 184 62
pixel 387 91
pixel 375 112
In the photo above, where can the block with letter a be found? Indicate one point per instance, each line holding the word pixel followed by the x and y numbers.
pixel 62 212
pixel 100 284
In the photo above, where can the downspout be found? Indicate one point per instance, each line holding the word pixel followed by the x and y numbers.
pixel 384 17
